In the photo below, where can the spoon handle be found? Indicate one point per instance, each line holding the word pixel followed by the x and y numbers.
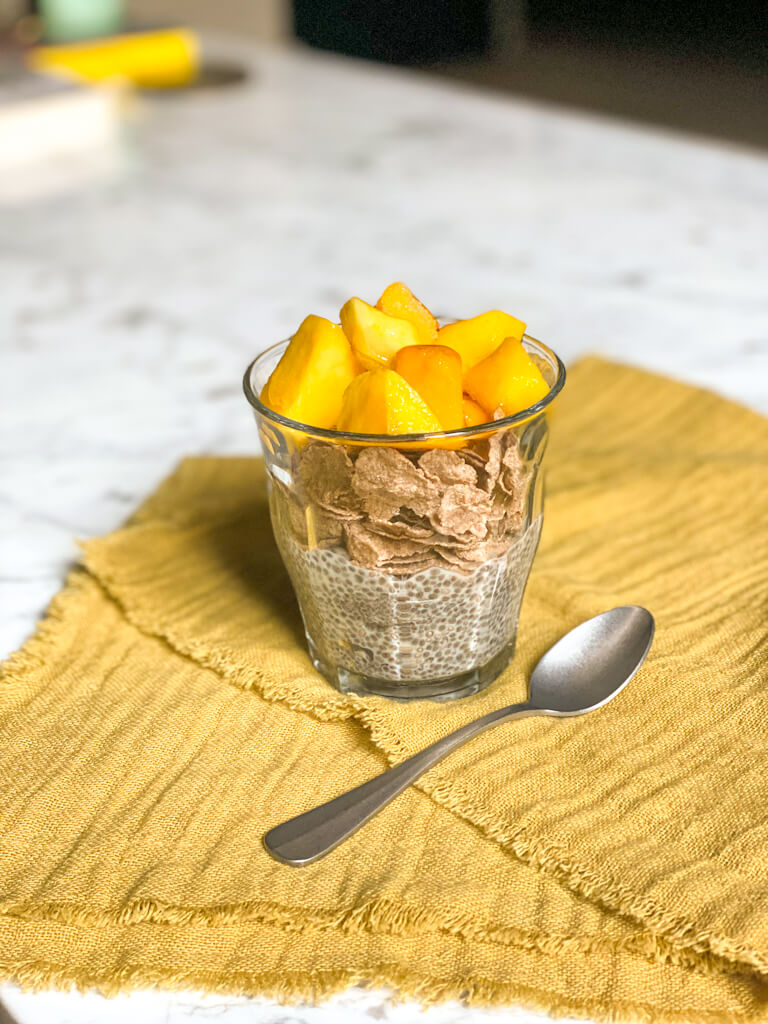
pixel 310 836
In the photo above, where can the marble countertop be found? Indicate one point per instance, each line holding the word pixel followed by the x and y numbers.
pixel 134 295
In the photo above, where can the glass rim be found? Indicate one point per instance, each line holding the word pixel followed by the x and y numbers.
pixel 394 439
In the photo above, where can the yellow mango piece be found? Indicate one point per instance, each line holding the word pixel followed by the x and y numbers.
pixel 435 372
pixel 381 402
pixel 476 338
pixel 507 379
pixel 398 300
pixel 374 336
pixel 474 414
pixel 309 382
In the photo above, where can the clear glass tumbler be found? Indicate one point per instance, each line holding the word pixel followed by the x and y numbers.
pixel 408 554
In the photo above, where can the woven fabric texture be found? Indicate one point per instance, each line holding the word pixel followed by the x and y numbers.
pixel 166 714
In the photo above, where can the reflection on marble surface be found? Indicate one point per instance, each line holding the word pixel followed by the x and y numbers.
pixel 355 1006
pixel 130 308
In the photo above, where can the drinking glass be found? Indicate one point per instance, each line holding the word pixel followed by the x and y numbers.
pixel 408 554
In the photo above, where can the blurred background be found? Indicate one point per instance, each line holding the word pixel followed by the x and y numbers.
pixel 692 65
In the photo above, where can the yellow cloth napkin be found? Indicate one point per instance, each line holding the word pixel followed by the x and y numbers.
pixel 166 715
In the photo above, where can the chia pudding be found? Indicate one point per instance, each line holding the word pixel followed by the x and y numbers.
pixel 434 624
pixel 409 566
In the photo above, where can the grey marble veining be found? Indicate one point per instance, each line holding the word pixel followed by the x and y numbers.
pixel 131 303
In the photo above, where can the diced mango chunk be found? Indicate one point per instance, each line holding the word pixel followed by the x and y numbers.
pixel 398 300
pixel 381 402
pixel 476 338
pixel 474 414
pixel 309 382
pixel 374 336
pixel 388 369
pixel 435 372
pixel 507 379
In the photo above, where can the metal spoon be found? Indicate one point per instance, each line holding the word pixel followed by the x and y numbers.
pixel 583 671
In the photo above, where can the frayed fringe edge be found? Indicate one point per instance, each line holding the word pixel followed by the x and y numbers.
pixel 31 657
pixel 674 931
pixel 378 917
pixel 317 986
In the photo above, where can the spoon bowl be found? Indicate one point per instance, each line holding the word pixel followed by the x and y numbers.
pixel 592 663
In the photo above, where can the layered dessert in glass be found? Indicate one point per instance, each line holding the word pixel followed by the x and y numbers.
pixel 403 464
